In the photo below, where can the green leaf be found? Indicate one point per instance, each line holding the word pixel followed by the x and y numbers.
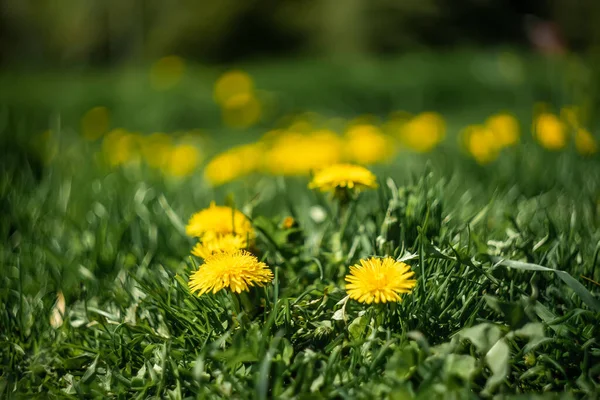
pixel 483 336
pixel 357 327
pixel 460 365
pixel 497 359
pixel 573 283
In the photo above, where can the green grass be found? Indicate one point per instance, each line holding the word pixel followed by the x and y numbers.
pixel 485 319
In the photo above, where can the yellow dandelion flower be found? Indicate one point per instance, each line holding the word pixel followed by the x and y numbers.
pixel 182 160
pixel 231 84
pixel 343 176
pixel 572 116
pixel 550 131
pixel 366 144
pixel 121 147
pixel 219 220
pixel 167 72
pixel 237 271
pixel 423 132
pixel 585 142
pixel 288 222
pixel 297 154
pixel 221 243
pixel 505 128
pixel 481 143
pixel 379 280
pixel 234 163
pixel 156 149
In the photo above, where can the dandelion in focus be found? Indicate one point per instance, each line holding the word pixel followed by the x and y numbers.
pixel 379 280
pixel 505 128
pixel 585 143
pixel 234 163
pixel 167 72
pixel 222 243
pixel 366 144
pixel 95 123
pixel 182 160
pixel 236 271
pixel 217 221
pixel 343 176
pixel 550 131
pixel 423 132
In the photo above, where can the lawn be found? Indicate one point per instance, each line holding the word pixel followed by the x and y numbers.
pixel 95 257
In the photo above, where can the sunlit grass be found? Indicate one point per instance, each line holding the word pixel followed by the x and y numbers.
pixel 95 261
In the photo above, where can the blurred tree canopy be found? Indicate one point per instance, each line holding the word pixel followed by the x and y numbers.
pixel 111 31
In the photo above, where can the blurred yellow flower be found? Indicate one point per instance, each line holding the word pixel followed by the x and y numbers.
pixel 288 222
pixel 550 131
pixel 182 160
pixel 95 123
pixel 481 143
pixel 237 271
pixel 343 176
pixel 156 149
pixel 221 243
pixel 241 110
pixel 121 147
pixel 585 143
pixel 231 84
pixel 234 163
pixel 571 116
pixel 505 128
pixel 423 132
pixel 217 221
pixel 379 280
pixel 366 144
pixel 167 72
pixel 297 154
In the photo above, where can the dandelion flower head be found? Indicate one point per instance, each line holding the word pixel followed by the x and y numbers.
pixel 294 153
pixel 234 163
pixel 481 143
pixel 219 220
pixel 550 131
pixel 220 244
pixel 423 132
pixel 366 144
pixel 505 128
pixel 343 176
pixel 585 143
pixel 182 160
pixel 379 280
pixel 237 271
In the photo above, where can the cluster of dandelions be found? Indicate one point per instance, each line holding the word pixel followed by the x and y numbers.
pixel 226 240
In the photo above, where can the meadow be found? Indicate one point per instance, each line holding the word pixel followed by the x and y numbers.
pixel 485 185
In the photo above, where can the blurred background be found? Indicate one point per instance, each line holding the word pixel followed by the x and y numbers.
pixel 50 34
pixel 125 75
